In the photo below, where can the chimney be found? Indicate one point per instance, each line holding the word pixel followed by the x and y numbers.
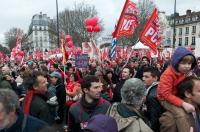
pixel 188 12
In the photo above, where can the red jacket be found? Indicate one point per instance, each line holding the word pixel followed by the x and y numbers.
pixel 167 86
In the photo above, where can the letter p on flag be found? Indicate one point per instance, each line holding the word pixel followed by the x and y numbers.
pixel 151 32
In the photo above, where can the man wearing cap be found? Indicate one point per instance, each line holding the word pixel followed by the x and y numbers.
pixel 57 81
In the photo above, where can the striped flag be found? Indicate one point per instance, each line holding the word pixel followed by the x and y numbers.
pixel 113 48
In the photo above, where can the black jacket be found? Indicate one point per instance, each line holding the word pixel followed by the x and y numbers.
pixel 31 124
pixel 40 109
pixel 154 109
pixel 61 98
pixel 117 92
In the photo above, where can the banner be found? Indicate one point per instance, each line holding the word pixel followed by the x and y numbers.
pixel 81 60
pixel 127 21
pixel 151 32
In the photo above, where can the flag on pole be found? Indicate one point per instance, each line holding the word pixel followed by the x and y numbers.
pixel 64 52
pixel 18 40
pixel 127 21
pixel 113 48
pixel 151 32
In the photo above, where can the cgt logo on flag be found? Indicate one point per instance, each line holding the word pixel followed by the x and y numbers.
pixel 151 32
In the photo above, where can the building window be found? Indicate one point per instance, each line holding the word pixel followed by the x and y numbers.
pixel 186 40
pixel 180 31
pixel 193 29
pixel 187 30
pixel 193 40
pixel 180 42
pixel 36 32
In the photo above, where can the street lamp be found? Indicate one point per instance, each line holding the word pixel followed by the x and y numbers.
pixel 57 24
pixel 174 26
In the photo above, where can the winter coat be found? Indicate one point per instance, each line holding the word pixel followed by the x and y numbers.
pixel 127 121
pixel 171 123
pixel 154 108
pixel 79 113
pixel 40 109
pixel 31 124
pixel 117 91
pixel 61 98
pixel 171 77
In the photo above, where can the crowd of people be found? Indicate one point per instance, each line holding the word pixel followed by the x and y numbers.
pixel 141 95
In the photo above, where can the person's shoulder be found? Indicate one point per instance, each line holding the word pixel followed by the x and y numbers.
pixel 102 100
pixel 35 122
pixel 75 106
pixel 167 117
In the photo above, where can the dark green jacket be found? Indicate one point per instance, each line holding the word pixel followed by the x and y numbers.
pixel 78 115
pixel 40 109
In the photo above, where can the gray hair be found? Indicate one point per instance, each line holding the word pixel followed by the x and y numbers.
pixel 133 92
pixel 9 100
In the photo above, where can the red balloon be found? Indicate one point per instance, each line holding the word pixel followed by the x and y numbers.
pixel 88 21
pixel 89 29
pixel 78 50
pixel 97 28
pixel 68 38
pixel 94 21
pixel 70 44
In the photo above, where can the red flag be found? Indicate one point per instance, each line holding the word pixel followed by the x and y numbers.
pixel 151 32
pixel 64 52
pixel 19 40
pixel 127 21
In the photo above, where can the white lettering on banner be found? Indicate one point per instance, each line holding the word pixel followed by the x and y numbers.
pixel 151 32
pixel 127 24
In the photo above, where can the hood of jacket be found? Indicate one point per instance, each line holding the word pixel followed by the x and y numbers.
pixel 102 123
pixel 179 53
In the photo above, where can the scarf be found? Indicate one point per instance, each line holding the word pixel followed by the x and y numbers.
pixel 89 107
pixel 28 99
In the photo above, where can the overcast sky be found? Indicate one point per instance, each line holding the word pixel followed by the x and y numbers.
pixel 18 13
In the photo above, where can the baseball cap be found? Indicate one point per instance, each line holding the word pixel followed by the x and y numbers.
pixel 55 74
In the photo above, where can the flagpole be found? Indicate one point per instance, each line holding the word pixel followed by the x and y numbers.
pixel 130 54
pixel 174 26
pixel 58 39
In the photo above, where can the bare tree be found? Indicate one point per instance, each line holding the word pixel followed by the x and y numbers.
pixel 4 49
pixel 11 37
pixel 145 8
pixel 72 22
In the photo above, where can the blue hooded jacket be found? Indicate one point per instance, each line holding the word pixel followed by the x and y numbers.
pixel 179 53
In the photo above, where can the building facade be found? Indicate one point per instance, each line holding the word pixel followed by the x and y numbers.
pixel 187 29
pixel 42 33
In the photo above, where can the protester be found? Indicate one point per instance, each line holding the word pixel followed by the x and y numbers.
pixel 12 119
pixel 89 105
pixel 153 108
pixel 188 91
pixel 197 68
pixel 183 61
pixel 127 113
pixel 145 63
pixel 126 74
pixel 57 81
pixel 35 100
